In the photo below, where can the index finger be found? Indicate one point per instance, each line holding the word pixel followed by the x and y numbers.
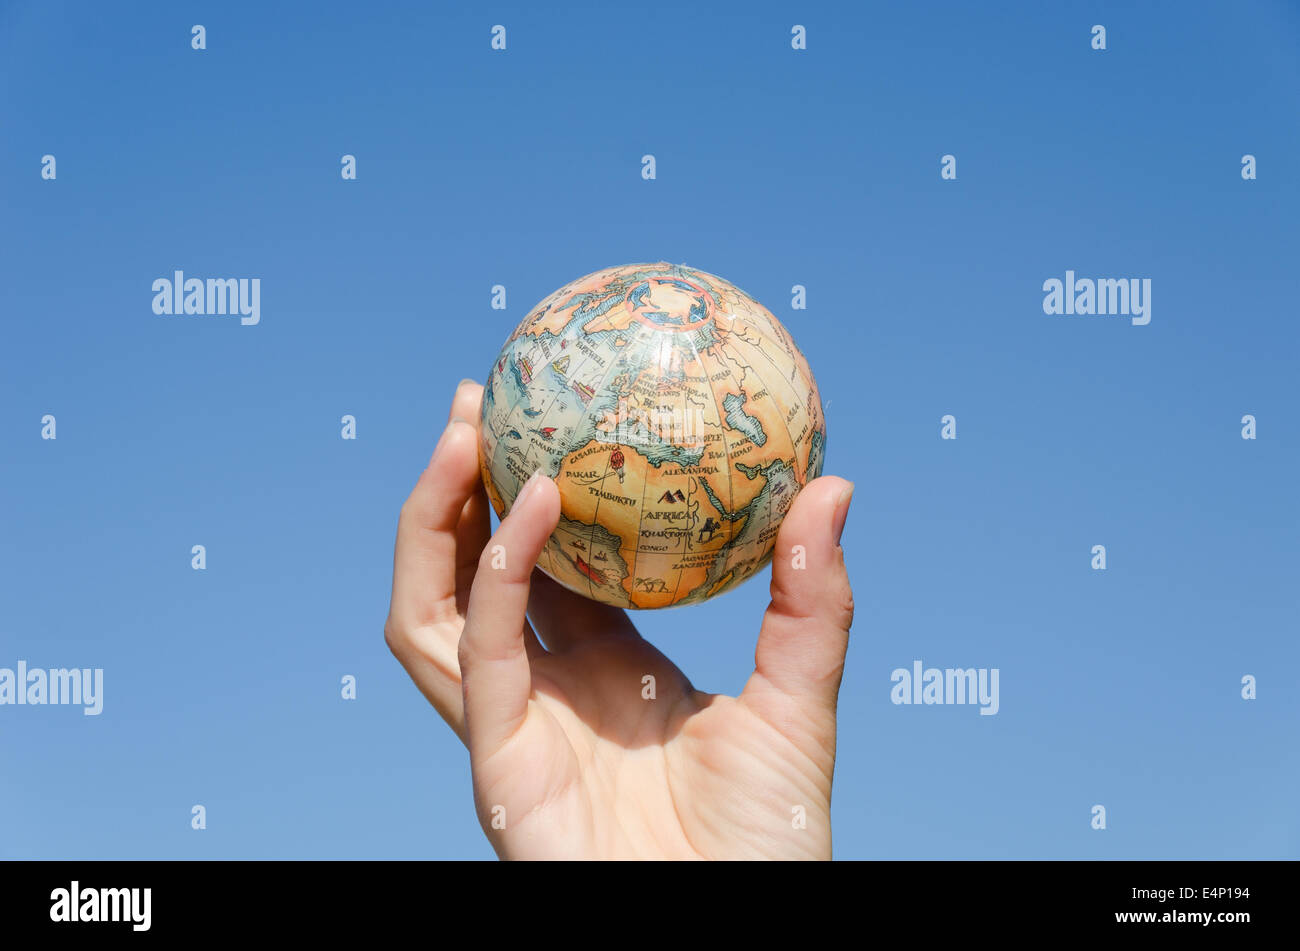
pixel 433 541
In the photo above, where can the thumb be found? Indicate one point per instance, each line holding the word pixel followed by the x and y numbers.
pixel 805 632
pixel 496 675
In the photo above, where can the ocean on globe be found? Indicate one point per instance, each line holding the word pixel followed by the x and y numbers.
pixel 678 419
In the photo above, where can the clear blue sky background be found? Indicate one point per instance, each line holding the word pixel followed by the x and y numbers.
pixel 775 168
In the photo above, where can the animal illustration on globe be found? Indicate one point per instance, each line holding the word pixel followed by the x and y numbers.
pixel 676 416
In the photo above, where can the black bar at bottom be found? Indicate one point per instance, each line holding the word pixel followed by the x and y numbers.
pixel 333 900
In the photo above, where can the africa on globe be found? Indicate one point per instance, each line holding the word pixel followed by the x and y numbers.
pixel 676 416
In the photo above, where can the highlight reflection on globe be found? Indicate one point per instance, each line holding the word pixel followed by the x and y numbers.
pixel 676 416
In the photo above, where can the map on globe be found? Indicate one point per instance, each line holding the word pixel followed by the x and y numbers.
pixel 678 420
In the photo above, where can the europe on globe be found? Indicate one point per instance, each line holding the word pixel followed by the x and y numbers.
pixel 676 416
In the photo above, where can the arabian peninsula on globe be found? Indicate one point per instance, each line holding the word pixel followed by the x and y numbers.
pixel 676 416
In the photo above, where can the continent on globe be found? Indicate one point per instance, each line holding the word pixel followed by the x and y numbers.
pixel 676 416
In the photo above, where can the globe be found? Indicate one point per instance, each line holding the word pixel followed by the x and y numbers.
pixel 676 416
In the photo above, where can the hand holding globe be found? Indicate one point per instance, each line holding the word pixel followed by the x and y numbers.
pixel 571 758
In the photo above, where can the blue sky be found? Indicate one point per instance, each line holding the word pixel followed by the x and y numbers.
pixel 1118 687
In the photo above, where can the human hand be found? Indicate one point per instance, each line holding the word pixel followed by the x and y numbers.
pixel 569 760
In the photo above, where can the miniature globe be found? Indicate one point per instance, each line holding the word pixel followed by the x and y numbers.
pixel 676 416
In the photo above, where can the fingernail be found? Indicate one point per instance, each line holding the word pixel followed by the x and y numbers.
pixel 468 379
pixel 530 486
pixel 841 512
